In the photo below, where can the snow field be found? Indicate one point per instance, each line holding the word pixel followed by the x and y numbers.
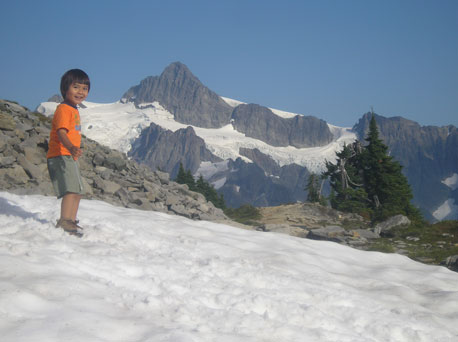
pixel 117 125
pixel 148 276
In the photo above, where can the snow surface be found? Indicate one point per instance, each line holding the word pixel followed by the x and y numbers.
pixel 447 210
pixel 452 181
pixel 118 124
pixel 148 276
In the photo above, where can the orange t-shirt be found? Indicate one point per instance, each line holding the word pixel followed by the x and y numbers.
pixel 66 117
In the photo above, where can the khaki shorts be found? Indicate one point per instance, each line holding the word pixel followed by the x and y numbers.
pixel 65 176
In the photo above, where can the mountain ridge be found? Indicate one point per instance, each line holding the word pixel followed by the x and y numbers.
pixel 229 143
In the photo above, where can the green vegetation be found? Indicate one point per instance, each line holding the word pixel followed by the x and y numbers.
pixel 246 214
pixel 429 243
pixel 367 181
pixel 313 187
pixel 201 186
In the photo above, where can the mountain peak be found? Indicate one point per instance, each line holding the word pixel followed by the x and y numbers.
pixel 183 95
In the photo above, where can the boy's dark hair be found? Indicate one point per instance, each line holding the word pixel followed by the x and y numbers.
pixel 73 75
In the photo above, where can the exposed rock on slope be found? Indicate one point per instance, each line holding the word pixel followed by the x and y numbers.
pixel 165 150
pixel 108 175
pixel 183 95
pixel 261 123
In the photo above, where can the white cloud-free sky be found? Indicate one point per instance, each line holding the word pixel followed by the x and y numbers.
pixel 141 276
pixel 330 59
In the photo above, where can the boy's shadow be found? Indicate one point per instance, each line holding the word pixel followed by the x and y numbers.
pixel 6 208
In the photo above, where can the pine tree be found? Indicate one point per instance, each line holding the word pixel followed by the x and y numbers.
pixel 388 190
pixel 189 180
pixel 345 178
pixel 201 186
pixel 314 185
pixel 370 182
pixel 181 176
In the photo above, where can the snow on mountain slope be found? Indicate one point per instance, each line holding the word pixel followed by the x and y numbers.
pixel 147 276
pixel 117 124
pixel 449 209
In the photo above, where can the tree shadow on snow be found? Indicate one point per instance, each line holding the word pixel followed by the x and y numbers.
pixel 6 208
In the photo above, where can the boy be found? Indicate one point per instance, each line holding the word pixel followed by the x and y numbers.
pixel 64 148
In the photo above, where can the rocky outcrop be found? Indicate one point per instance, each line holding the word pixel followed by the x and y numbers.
pixel 250 183
pixel 264 161
pixel 384 228
pixel 162 149
pixel 183 95
pixel 428 155
pixel 108 175
pixel 261 123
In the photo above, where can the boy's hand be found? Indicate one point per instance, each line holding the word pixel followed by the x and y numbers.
pixel 76 152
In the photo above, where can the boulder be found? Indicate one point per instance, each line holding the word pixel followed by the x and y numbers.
pixel 7 122
pixel 385 227
pixel 330 233
pixel 451 262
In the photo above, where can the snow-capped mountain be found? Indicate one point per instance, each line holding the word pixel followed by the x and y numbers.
pixel 253 154
pixel 117 125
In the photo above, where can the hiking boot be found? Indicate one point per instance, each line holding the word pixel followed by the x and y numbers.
pixel 77 225
pixel 69 226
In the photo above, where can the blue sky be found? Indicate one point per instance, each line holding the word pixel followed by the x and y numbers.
pixel 330 59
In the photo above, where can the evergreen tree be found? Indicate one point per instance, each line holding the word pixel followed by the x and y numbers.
pixel 189 180
pixel 313 188
pixel 201 186
pixel 370 182
pixel 347 191
pixel 388 190
pixel 181 176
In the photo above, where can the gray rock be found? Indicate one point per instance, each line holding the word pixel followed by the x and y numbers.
pixel 115 161
pixel 165 150
pixel 261 123
pixel 163 177
pixel 284 229
pixel 330 233
pixel 7 161
pixel 7 122
pixel 14 176
pixel 451 262
pixel 384 227
pixel 366 233
pixel 183 95
pixel 32 170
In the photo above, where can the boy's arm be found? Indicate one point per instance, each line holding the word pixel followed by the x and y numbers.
pixel 74 150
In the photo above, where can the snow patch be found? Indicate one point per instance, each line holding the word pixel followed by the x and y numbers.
pixel 452 181
pixel 148 276
pixel 280 113
pixel 208 169
pixel 118 124
pixel 219 183
pixel 447 210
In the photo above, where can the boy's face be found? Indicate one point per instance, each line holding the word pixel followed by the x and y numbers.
pixel 76 93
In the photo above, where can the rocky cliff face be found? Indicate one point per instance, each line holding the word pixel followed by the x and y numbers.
pixel 428 154
pixel 261 123
pixel 192 103
pixel 162 149
pixel 183 95
pixel 249 183
pixel 108 175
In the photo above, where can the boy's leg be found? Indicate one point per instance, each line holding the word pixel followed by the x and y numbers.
pixel 69 206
